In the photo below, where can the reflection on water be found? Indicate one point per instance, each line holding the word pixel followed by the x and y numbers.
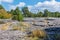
pixel 53 33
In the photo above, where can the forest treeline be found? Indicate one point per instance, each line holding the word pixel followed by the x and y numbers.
pixel 18 14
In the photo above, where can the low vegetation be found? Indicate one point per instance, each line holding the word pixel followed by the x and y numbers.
pixel 37 34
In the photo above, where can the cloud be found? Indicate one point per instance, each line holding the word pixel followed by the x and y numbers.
pixel 12 7
pixel 50 5
pixel 30 7
pixel 21 4
pixel 8 1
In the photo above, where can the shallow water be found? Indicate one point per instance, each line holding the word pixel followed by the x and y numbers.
pixel 53 33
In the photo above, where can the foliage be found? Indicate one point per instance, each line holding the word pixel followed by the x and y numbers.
pixel 4 14
pixel 17 14
pixel 1 7
pixel 26 12
pixel 46 13
pixel 39 14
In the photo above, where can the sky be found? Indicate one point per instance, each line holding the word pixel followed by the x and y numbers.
pixel 33 5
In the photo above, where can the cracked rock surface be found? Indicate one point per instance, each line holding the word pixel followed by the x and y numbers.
pixel 11 35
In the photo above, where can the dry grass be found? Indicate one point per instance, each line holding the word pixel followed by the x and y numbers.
pixel 39 33
pixel 5 26
pixel 16 28
pixel 25 24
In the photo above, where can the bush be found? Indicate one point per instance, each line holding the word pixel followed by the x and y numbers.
pixel 4 14
pixel 17 17
pixel 39 33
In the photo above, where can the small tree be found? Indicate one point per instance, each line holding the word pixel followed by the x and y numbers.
pixel 18 15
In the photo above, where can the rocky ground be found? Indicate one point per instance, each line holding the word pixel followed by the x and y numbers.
pixel 11 35
pixel 7 32
pixel 15 30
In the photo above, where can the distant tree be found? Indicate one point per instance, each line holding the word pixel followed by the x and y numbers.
pixel 33 15
pixel 26 12
pixel 18 14
pixel 56 14
pixel 39 14
pixel 46 13
pixel 8 11
pixel 12 12
pixel 1 7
